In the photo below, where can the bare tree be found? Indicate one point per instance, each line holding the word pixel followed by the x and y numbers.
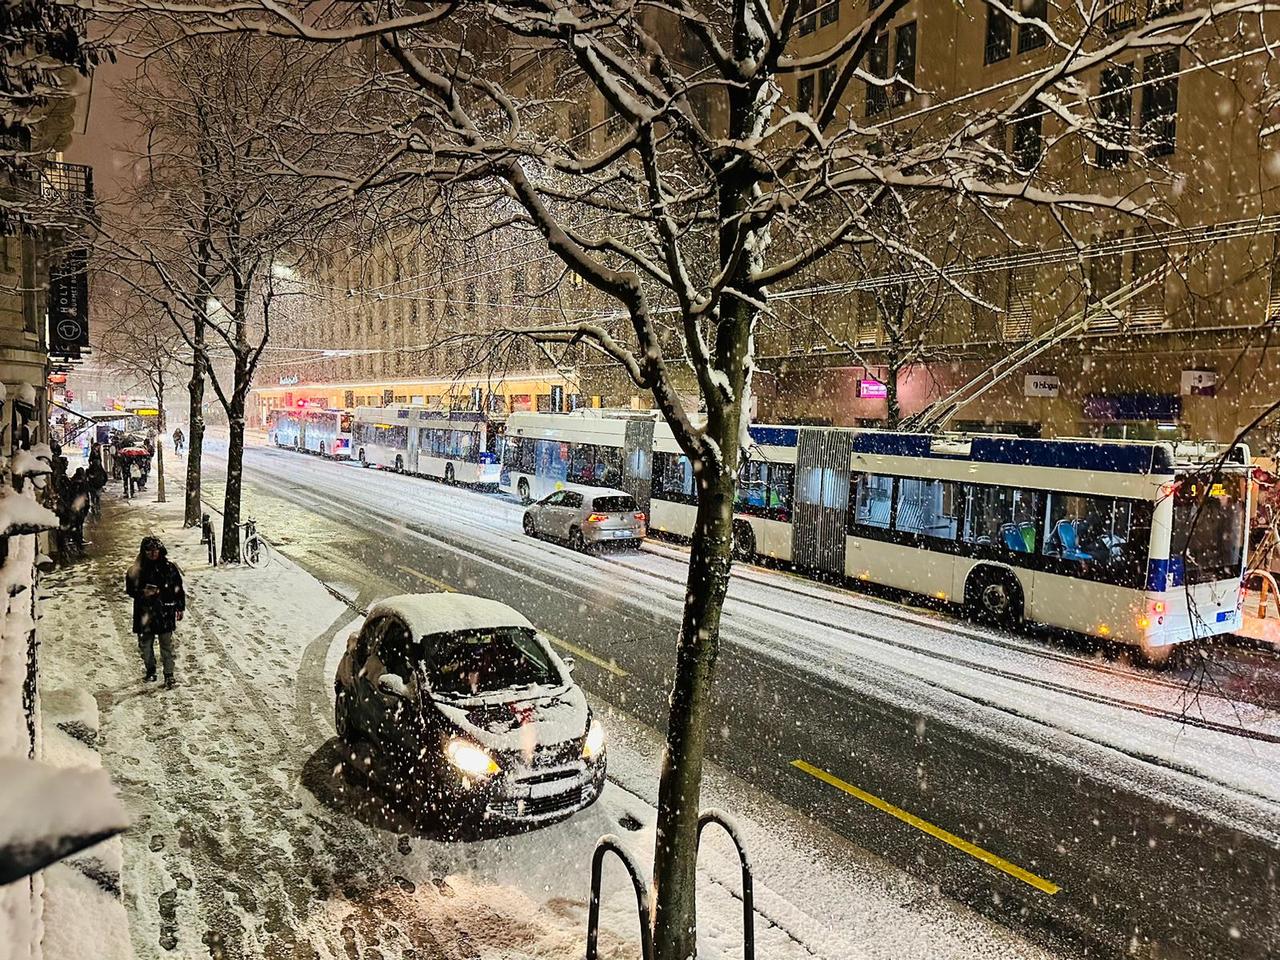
pixel 143 344
pixel 217 223
pixel 705 191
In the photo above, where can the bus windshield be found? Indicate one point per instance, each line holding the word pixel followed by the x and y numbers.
pixel 1209 526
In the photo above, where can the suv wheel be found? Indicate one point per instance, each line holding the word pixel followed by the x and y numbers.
pixel 528 526
pixel 577 541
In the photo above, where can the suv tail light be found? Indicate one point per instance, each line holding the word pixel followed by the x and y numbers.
pixel 597 517
pixel 642 518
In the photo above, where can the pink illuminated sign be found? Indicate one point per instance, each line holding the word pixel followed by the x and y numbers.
pixel 872 390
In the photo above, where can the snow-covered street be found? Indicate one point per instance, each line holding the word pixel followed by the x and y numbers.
pixel 1073 767
pixel 246 842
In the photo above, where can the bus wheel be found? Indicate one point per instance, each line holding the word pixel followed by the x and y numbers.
pixel 523 489
pixel 448 473
pixel 993 596
pixel 399 464
pixel 363 461
pixel 744 541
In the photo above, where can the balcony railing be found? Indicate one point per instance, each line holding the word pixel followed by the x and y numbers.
pixel 66 183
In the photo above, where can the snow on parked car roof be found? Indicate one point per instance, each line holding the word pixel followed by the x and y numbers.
pixel 595 491
pixel 429 613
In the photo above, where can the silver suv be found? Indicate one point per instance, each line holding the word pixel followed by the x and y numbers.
pixel 586 517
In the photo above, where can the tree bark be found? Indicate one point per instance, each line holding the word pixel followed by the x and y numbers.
pixel 235 470
pixel 675 852
pixel 893 412
pixel 162 426
pixel 195 436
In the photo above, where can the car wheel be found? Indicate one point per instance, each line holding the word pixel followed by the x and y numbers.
pixel 363 461
pixel 529 530
pixel 577 541
pixel 744 542
pixel 523 489
pixel 448 473
pixel 994 596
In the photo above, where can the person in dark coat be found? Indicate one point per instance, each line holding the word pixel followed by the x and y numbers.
pixel 155 583
pixel 77 505
pixel 97 479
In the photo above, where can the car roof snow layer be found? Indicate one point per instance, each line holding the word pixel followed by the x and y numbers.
pixel 428 613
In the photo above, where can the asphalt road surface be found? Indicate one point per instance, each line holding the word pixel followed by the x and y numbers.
pixel 1085 863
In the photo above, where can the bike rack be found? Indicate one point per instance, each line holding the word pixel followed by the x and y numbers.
pixel 748 883
pixel 610 844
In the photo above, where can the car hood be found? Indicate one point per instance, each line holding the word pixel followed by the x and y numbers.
pixel 520 721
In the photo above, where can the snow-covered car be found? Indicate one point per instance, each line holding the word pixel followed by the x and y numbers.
pixel 467 714
pixel 587 516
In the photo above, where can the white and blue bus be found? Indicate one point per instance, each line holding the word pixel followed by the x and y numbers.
pixel 311 430
pixel 1142 543
pixel 408 438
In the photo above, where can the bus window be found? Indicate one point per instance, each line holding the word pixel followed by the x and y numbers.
pixel 765 489
pixel 1209 527
pixel 873 496
pixel 552 459
pixel 673 478
pixel 927 508
pixel 1004 518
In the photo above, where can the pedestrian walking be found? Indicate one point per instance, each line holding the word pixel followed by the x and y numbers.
pixel 159 601
pixel 178 439
pixel 78 505
pixel 97 479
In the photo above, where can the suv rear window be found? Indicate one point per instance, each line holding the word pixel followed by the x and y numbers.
pixel 613 505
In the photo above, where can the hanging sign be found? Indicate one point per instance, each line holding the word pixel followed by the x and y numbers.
pixel 872 390
pixel 1199 383
pixel 69 305
pixel 1040 385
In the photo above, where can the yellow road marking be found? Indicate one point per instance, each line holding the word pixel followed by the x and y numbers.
pixel 587 655
pixel 422 576
pixel 936 832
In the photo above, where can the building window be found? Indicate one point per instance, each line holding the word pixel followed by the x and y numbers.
pixel 1106 274
pixel 904 63
pixel 826 80
pixel 999 36
pixel 1115 108
pixel 1160 102
pixel 830 13
pixel 1031 37
pixel 1160 8
pixel 804 93
pixel 1027 142
pixel 806 19
pixel 878 66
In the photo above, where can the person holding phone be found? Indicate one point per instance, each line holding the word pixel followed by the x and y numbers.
pixel 159 602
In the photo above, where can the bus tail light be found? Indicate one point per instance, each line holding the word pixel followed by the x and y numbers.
pixel 1157 607
pixel 1144 622
pixel 597 517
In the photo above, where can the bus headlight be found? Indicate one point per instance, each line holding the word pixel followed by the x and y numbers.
pixel 471 759
pixel 594 744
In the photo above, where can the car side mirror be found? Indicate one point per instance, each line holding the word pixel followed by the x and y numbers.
pixel 392 683
pixel 569 663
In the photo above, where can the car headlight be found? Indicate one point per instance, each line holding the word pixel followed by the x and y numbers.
pixel 594 745
pixel 472 760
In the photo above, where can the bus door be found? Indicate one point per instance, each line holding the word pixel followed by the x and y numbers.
pixel 821 499
pixel 637 462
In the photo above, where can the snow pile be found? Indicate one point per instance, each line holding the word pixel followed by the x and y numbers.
pixel 19 513
pixel 48 812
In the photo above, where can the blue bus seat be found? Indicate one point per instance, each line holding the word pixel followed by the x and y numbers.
pixel 1012 537
pixel 1065 532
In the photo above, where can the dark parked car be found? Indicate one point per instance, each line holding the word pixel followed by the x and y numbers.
pixel 467 713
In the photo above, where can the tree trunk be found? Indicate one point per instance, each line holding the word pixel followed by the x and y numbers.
pixel 893 413
pixel 195 438
pixel 235 469
pixel 675 852
pixel 162 426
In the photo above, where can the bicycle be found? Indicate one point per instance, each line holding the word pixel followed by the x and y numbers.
pixel 253 549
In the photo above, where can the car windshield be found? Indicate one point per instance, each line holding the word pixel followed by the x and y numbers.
pixel 477 662
pixel 613 504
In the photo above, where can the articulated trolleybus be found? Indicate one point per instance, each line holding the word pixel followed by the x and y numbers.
pixel 324 432
pixel 408 438
pixel 1142 543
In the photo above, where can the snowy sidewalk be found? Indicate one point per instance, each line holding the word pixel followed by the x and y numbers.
pixel 245 844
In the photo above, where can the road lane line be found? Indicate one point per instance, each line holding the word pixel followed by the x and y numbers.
pixel 431 580
pixel 1041 884
pixel 587 655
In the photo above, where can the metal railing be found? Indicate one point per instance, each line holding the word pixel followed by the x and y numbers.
pixel 611 844
pixel 69 183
